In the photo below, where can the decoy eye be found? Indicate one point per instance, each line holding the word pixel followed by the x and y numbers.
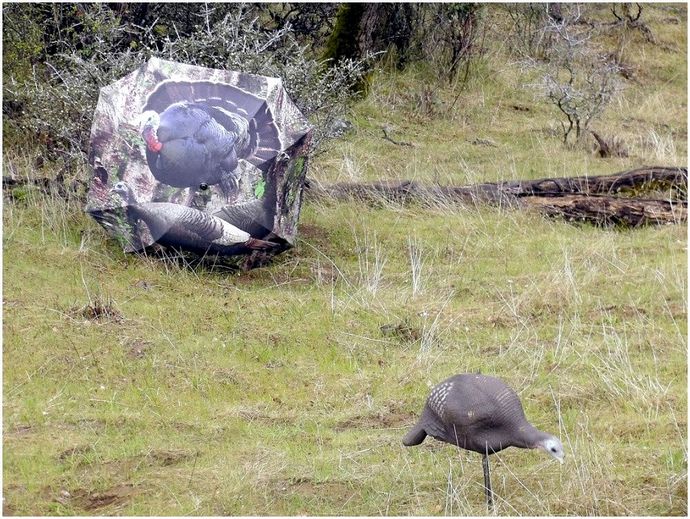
pixel 553 449
pixel 203 186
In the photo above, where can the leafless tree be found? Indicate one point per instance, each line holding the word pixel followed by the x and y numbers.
pixel 579 78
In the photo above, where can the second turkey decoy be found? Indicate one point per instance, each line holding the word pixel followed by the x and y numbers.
pixel 186 146
pixel 480 413
pixel 188 228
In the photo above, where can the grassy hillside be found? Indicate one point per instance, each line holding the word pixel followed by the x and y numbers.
pixel 141 386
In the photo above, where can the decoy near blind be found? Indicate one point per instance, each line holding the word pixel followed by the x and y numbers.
pixel 480 413
pixel 180 226
pixel 255 217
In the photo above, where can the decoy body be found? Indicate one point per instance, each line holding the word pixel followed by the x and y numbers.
pixel 481 414
pixel 255 216
pixel 181 226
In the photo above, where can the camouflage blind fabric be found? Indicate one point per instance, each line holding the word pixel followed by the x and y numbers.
pixel 231 145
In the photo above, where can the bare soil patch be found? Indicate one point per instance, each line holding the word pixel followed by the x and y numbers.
pixel 332 490
pixel 20 430
pixel 117 495
pixel 137 349
pixel 387 420
pixel 167 458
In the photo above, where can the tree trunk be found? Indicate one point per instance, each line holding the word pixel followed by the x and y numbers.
pixel 587 198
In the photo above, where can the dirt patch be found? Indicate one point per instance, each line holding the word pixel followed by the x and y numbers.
pixel 137 348
pixel 499 321
pixel 143 284
pixel 228 376
pixel 100 309
pixel 401 331
pixel 92 501
pixel 161 458
pixel 167 458
pixel 7 510
pixel 92 424
pixel 677 310
pixel 626 310
pixel 20 430
pixel 262 417
pixel 380 421
pixel 493 351
pixel 307 487
pixel 70 453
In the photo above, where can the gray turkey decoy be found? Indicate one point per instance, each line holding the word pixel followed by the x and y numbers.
pixel 196 132
pixel 481 414
pixel 188 228
pixel 255 216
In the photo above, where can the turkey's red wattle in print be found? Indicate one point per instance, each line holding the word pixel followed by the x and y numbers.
pixel 152 141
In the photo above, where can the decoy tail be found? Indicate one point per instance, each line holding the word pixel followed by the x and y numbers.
pixel 256 244
pixel 415 436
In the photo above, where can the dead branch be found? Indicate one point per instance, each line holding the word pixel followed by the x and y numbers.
pixel 586 198
pixel 609 210
pixel 390 139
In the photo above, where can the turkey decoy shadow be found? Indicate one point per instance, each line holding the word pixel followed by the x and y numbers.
pixel 482 414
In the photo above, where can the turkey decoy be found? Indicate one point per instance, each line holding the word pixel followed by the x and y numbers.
pixel 481 414
pixel 180 226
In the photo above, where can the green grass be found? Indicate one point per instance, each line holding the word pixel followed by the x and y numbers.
pixel 276 391
pixel 649 117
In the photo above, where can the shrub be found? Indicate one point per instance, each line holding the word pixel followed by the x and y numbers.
pixel 579 78
pixel 54 100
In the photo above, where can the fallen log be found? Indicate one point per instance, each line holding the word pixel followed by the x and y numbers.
pixel 585 198
pixel 608 210
pixel 45 185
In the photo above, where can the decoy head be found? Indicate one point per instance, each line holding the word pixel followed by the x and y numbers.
pixel 123 190
pixel 553 447
pixel 148 126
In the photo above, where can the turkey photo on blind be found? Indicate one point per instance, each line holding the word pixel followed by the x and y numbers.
pixel 224 145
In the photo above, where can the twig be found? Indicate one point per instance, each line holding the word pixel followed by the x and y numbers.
pixel 191 476
pixel 388 138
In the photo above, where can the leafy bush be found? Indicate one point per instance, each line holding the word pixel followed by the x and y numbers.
pixel 56 101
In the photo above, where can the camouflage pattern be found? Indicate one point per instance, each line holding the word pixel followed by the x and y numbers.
pixel 271 180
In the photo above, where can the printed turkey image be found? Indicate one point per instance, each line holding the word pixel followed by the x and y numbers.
pixel 204 160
